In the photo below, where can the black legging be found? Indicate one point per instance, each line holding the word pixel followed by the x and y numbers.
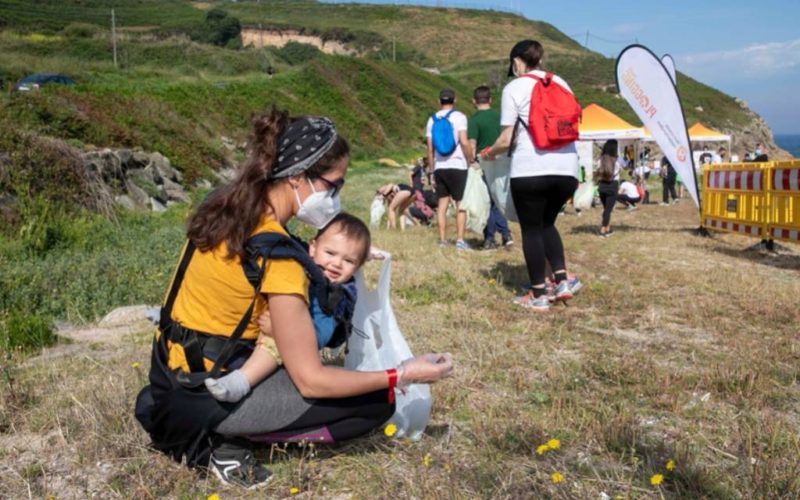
pixel 537 201
pixel 608 197
pixel 276 412
pixel 668 183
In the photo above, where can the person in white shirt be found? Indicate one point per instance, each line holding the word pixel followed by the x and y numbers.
pixel 541 180
pixel 628 195
pixel 450 171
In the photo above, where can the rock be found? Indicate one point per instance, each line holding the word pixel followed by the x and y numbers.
pixel 138 195
pixel 157 206
pixel 203 184
pixel 388 162
pixel 123 316
pixel 162 165
pixel 227 143
pixel 225 174
pixel 174 191
pixel 699 109
pixel 125 201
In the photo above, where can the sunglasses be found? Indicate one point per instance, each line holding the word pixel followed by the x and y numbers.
pixel 333 186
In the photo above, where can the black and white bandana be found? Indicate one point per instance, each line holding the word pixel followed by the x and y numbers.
pixel 302 144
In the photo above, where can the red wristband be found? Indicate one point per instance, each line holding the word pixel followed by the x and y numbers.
pixel 392 372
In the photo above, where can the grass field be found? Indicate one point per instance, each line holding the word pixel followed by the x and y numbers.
pixel 679 350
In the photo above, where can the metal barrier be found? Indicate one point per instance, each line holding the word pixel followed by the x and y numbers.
pixel 757 199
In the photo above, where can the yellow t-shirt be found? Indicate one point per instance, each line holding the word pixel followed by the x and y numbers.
pixel 215 293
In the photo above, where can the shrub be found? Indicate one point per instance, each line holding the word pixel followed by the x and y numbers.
pixel 81 30
pixel 297 53
pixel 26 332
pixel 221 29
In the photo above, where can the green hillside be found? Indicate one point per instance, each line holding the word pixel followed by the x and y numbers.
pixel 174 94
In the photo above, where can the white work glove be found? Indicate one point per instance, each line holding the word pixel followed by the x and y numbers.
pixel 424 369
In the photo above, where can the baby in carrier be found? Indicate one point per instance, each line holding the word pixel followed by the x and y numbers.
pixel 339 249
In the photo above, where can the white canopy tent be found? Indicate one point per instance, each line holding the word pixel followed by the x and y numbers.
pixel 600 124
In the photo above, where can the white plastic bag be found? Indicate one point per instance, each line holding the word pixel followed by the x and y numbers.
pixel 582 199
pixel 376 211
pixel 377 344
pixel 498 176
pixel 476 202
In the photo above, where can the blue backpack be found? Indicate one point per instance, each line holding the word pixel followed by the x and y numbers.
pixel 442 134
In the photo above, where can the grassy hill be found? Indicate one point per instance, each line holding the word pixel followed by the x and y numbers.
pixel 678 350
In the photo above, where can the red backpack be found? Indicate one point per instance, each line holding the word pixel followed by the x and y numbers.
pixel 554 114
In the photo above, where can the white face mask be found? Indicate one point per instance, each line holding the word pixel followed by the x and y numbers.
pixel 319 208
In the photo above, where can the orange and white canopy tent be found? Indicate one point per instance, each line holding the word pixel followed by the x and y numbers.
pixel 598 124
pixel 700 133
pixel 697 133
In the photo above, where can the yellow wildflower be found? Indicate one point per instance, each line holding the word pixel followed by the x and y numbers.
pixel 492 281
pixel 541 449
pixel 294 490
pixel 556 477
pixel 554 444
pixel 426 460
pixel 213 496
pixel 135 365
pixel 671 464
pixel 656 479
pixel 390 430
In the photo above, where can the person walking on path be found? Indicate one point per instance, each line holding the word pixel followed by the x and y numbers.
pixel 448 155
pixel 541 180
pixel 483 129
pixel 668 179
pixel 606 176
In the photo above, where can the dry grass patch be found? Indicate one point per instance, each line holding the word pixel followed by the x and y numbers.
pixel 678 348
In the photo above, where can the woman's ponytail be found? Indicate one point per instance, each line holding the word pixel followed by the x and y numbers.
pixel 233 211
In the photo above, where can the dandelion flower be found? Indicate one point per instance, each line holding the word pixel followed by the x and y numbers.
pixel 426 460
pixel 492 281
pixel 135 365
pixel 213 496
pixel 541 449
pixel 671 464
pixel 656 479
pixel 294 490
pixel 556 477
pixel 554 444
pixel 390 430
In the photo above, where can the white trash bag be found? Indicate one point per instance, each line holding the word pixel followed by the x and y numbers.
pixel 476 201
pixel 582 199
pixel 377 344
pixel 376 211
pixel 498 176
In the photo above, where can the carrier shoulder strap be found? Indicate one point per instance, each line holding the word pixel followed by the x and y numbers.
pixel 278 246
pixel 166 311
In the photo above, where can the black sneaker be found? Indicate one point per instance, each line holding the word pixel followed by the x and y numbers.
pixel 237 466
pixel 489 245
pixel 507 242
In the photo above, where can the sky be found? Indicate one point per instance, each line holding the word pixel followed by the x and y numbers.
pixel 747 49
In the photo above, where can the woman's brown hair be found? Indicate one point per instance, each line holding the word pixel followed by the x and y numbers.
pixel 232 212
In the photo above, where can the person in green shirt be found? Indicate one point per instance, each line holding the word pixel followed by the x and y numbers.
pixel 482 130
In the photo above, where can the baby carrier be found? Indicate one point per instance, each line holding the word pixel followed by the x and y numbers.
pixel 175 408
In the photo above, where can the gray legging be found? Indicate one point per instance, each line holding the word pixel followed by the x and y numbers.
pixel 274 411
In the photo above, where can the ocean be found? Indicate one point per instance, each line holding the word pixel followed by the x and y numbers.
pixel 789 142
